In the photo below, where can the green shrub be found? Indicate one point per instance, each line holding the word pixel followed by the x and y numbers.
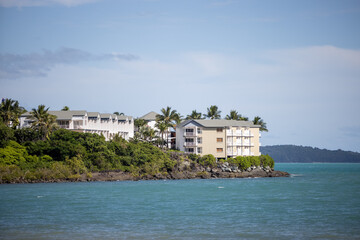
pixel 207 160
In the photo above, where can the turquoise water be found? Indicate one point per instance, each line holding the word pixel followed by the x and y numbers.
pixel 319 201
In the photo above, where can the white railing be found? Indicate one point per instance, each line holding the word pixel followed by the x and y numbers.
pixel 190 134
pixel 233 133
pixel 190 144
pixel 64 126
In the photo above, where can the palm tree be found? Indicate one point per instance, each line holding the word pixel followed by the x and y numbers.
pixel 169 117
pixel 162 129
pixel 258 121
pixel 44 122
pixel 194 115
pixel 213 112
pixel 233 115
pixel 120 114
pixel 65 108
pixel 139 123
pixel 10 112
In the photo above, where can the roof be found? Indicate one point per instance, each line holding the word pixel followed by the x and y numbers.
pixel 105 115
pixel 123 117
pixel 151 116
pixel 93 114
pixel 67 115
pixel 219 123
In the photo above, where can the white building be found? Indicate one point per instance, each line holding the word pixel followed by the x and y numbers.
pixel 92 122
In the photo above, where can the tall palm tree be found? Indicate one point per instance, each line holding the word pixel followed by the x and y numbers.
pixel 169 117
pixel 65 108
pixel 233 115
pixel 162 129
pixel 194 115
pixel 258 121
pixel 10 112
pixel 213 112
pixel 44 122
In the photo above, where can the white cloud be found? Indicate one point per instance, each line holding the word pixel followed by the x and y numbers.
pixel 38 3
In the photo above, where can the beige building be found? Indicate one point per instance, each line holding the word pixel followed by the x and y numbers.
pixel 221 138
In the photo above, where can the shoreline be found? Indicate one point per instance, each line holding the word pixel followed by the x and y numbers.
pixel 113 176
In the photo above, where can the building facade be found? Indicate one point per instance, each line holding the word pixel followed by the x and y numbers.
pixel 221 138
pixel 92 122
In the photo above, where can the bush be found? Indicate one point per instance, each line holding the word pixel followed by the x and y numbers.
pixel 207 160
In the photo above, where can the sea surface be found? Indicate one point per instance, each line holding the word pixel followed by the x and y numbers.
pixel 318 201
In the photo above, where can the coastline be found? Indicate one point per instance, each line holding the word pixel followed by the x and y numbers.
pixel 209 173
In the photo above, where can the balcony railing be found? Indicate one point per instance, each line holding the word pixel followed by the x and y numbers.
pixel 190 144
pixel 190 134
pixel 233 133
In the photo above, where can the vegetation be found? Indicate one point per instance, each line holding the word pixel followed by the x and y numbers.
pixel 300 154
pixel 194 115
pixel 10 112
pixel 213 112
pixel 258 121
pixel 65 108
pixel 234 115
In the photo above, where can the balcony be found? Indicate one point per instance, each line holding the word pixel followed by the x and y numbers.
pixel 233 133
pixel 236 143
pixel 190 134
pixel 247 134
pixel 190 144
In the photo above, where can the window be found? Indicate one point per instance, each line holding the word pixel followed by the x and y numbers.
pixel 190 150
pixel 189 130
pixel 199 150
pixel 219 150
pixel 219 129
pixel 199 131
pixel 189 139
pixel 219 140
pixel 199 140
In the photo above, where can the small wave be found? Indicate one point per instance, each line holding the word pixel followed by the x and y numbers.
pixel 220 187
pixel 296 175
pixel 40 196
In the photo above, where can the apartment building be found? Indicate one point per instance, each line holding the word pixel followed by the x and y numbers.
pixel 169 136
pixel 92 122
pixel 221 138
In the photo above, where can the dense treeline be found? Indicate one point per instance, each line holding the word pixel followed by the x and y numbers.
pixel 66 155
pixel 292 153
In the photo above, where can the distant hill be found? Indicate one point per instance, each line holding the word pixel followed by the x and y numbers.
pixel 300 154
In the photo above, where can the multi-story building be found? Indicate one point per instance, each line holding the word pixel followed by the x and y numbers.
pixel 221 138
pixel 92 122
pixel 169 135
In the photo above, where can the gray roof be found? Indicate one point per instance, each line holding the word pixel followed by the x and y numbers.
pixel 151 116
pixel 67 115
pixel 93 114
pixel 219 123
pixel 105 115
pixel 123 117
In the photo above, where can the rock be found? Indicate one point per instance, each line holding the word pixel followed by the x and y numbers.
pixel 248 169
pixel 208 169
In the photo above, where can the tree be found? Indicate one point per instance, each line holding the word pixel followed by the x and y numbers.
pixel 169 117
pixel 120 114
pixel 65 108
pixel 10 111
pixel 139 123
pixel 258 121
pixel 194 115
pixel 234 115
pixel 162 129
pixel 213 112
pixel 44 122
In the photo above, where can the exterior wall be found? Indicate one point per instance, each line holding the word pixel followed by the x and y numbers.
pixel 236 141
pixel 106 127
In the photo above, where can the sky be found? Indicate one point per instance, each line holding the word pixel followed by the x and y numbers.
pixel 296 64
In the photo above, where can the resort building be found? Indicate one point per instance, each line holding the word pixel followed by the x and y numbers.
pixel 221 138
pixel 92 122
pixel 170 135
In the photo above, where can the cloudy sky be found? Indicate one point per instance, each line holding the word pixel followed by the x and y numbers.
pixel 294 63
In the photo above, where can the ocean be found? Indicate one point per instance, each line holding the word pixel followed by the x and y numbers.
pixel 318 201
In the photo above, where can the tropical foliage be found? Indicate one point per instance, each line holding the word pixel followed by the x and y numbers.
pixel 194 115
pixel 10 111
pixel 258 121
pixel 213 112
pixel 44 122
pixel 234 115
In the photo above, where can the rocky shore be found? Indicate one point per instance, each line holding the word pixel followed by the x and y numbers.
pixel 185 170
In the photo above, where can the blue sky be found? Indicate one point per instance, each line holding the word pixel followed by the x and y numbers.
pixel 294 63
